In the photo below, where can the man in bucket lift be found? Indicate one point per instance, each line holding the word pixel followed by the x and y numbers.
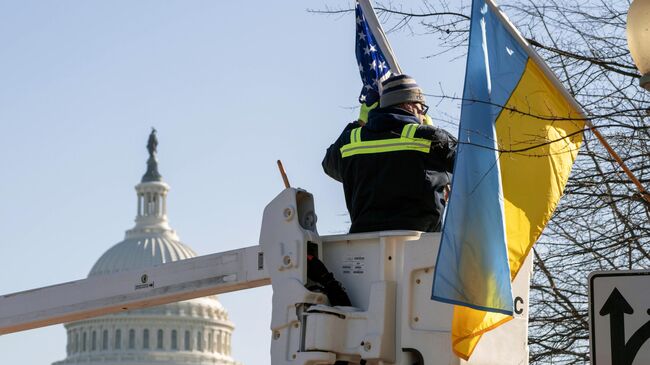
pixel 395 170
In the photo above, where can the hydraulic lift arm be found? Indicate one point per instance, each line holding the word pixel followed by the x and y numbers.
pixel 172 282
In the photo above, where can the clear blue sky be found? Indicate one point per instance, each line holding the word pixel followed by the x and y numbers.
pixel 230 88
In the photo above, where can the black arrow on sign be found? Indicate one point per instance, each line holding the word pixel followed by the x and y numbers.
pixel 616 307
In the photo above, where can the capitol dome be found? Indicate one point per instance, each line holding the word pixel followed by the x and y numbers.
pixel 144 251
pixel 195 332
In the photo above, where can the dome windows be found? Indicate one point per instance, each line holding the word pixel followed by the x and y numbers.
pixel 104 340
pixel 159 340
pixel 118 339
pixel 131 339
pixel 174 344
pixel 93 341
pixel 199 341
pixel 187 343
pixel 145 339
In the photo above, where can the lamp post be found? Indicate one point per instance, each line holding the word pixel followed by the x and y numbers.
pixel 638 38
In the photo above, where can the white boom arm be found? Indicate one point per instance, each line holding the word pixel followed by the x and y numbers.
pixel 171 282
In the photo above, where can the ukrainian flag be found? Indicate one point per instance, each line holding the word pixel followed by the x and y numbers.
pixel 519 135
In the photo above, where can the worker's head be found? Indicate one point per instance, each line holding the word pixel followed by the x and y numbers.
pixel 402 91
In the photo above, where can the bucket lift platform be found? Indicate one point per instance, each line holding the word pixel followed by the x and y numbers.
pixel 388 276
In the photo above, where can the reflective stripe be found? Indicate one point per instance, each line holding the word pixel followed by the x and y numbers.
pixel 409 131
pixel 384 146
pixel 406 142
pixel 414 127
pixel 355 135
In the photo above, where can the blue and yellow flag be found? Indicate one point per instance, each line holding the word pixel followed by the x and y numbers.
pixel 519 135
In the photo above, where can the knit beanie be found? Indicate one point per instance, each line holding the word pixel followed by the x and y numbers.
pixel 400 89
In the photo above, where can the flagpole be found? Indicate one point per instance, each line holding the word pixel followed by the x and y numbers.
pixel 642 191
pixel 550 75
pixel 380 36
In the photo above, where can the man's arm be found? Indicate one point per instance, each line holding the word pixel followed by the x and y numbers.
pixel 443 147
pixel 332 161
pixel 449 150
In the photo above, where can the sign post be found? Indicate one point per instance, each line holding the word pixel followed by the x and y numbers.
pixel 619 317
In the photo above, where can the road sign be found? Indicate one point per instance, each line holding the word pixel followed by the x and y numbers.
pixel 619 313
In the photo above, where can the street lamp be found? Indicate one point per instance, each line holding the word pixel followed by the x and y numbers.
pixel 638 38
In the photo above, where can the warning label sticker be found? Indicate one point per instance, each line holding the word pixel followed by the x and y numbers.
pixel 354 265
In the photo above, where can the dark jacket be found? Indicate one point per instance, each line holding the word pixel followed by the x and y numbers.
pixel 396 189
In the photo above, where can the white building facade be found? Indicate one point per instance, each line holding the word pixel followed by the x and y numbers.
pixel 191 332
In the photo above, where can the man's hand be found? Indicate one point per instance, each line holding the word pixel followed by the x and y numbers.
pixel 363 113
pixel 371 102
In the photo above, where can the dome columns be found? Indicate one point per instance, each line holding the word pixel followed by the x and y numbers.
pixel 152 199
pixel 151 215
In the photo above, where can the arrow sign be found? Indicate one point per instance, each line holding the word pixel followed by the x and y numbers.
pixel 605 294
pixel 616 307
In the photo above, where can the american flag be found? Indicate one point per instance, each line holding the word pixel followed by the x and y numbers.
pixel 372 63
